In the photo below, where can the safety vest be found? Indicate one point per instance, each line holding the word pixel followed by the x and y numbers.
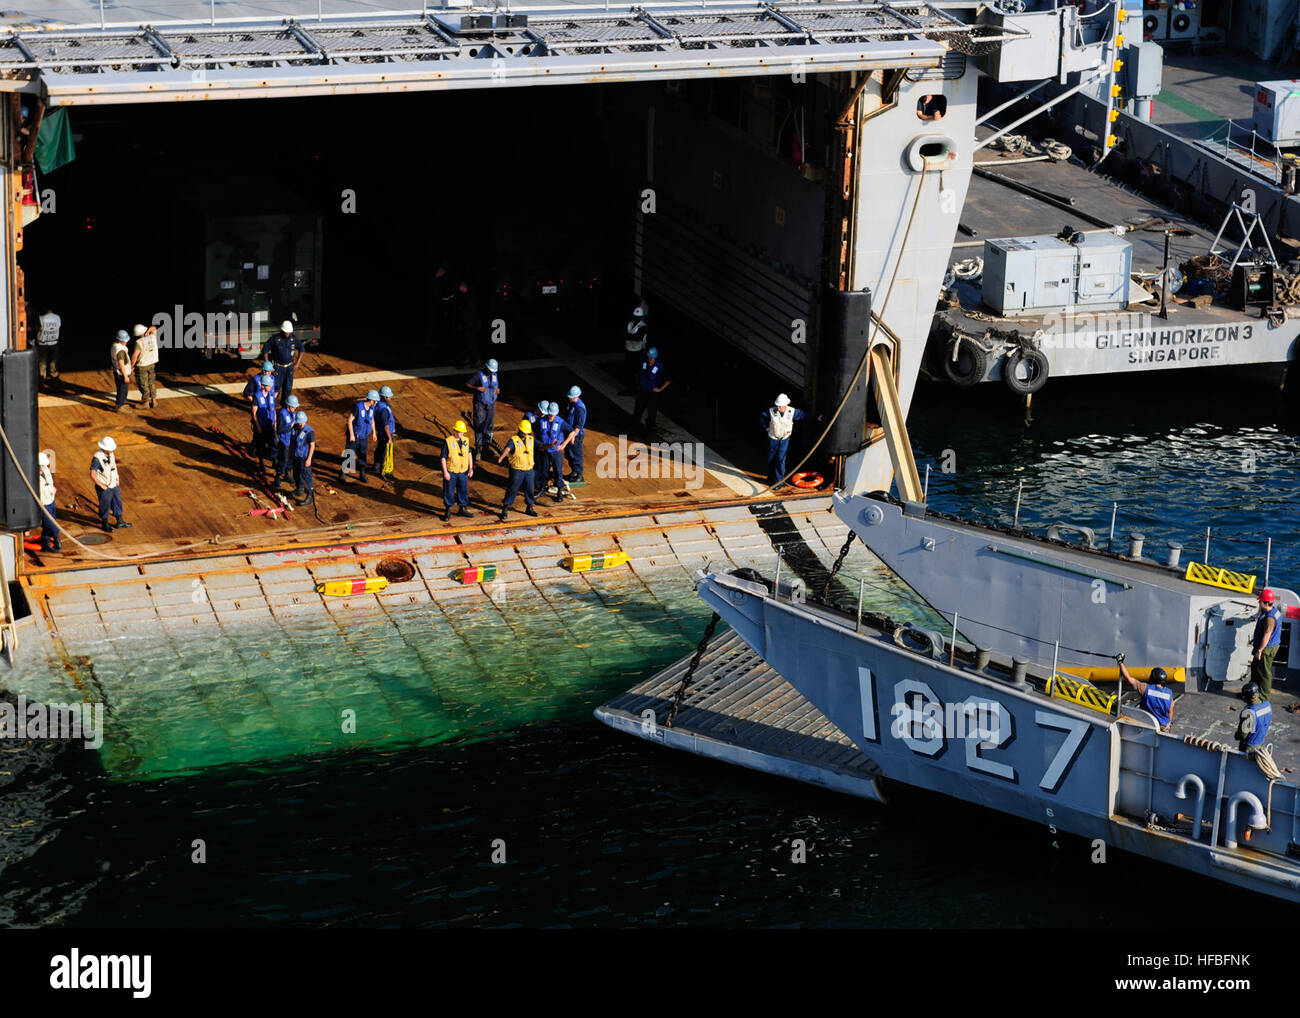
pixel 1274 614
pixel 49 331
pixel 551 431
pixel 117 348
pixel 1160 702
pixel 489 394
pixel 303 437
pixel 637 334
pixel 780 425
pixel 384 417
pixel 521 453
pixel 650 375
pixel 284 425
pixel 105 467
pixel 576 417
pixel 457 453
pixel 46 486
pixel 264 401
pixel 363 419
pixel 1263 718
pixel 148 347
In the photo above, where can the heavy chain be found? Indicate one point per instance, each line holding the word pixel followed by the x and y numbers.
pixel 826 587
pixel 690 672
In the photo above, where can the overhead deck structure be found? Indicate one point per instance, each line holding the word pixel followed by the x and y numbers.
pixel 887 182
pixel 446 50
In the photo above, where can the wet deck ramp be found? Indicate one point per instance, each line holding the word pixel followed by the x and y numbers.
pixel 236 659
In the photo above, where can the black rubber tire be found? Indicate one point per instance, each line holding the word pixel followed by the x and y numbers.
pixel 1035 361
pixel 971 365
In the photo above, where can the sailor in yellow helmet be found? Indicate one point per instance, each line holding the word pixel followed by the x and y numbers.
pixel 457 469
pixel 519 450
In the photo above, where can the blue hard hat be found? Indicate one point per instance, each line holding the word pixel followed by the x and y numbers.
pixel 267 366
pixel 372 396
pixel 554 408
pixel 292 402
pixel 652 352
pixel 491 364
pixel 300 417
pixel 386 392
pixel 122 337
pixel 575 392
pixel 541 407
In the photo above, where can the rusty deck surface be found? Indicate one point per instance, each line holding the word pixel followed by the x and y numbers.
pixel 182 489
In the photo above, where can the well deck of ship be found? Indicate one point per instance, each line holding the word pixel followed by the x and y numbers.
pixel 182 489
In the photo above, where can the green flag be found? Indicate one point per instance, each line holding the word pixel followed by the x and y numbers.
pixel 54 141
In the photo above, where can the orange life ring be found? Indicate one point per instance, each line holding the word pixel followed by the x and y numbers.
pixel 807 479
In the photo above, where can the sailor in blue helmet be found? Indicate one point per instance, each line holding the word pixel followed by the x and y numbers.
pixel 535 418
pixel 1157 700
pixel 487 388
pixel 253 389
pixel 385 428
pixel 553 437
pixel 652 379
pixel 1255 717
pixel 361 422
pixel 304 447
pixel 284 422
pixel 284 350
pixel 575 416
pixel 263 405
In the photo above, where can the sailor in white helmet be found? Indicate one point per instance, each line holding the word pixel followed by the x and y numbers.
pixel 284 350
pixel 145 363
pixel 45 486
pixel 103 475
pixel 634 345
pixel 778 421
pixel 47 345
pixel 119 360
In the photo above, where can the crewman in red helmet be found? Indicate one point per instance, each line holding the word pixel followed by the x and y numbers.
pixel 1268 637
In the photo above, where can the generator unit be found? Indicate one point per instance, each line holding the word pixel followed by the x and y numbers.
pixel 1035 275
pixel 1277 112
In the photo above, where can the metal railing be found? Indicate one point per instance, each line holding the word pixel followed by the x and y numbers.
pixel 1254 157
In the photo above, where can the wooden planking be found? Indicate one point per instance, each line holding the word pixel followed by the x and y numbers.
pixel 179 484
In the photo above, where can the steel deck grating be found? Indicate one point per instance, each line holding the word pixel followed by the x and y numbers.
pixel 440 38
pixel 737 698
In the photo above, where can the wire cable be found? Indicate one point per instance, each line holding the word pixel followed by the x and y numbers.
pixel 36 498
pixel 878 321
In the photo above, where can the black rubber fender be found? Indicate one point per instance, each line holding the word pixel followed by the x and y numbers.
pixel 1035 361
pixel 969 366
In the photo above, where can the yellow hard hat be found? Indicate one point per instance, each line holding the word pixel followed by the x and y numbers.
pixel 525 428
pixel 460 426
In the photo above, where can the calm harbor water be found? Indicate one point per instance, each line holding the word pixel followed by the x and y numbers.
pixel 487 738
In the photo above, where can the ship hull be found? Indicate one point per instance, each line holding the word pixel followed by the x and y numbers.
pixel 1041 759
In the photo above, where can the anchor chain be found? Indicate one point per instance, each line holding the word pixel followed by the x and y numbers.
pixel 826 587
pixel 690 672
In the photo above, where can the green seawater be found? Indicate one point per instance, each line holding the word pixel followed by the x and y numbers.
pixel 185 698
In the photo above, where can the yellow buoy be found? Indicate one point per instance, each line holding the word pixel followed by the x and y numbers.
pixel 343 588
pixel 600 560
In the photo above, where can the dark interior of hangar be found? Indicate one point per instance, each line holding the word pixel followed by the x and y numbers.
pixel 339 211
